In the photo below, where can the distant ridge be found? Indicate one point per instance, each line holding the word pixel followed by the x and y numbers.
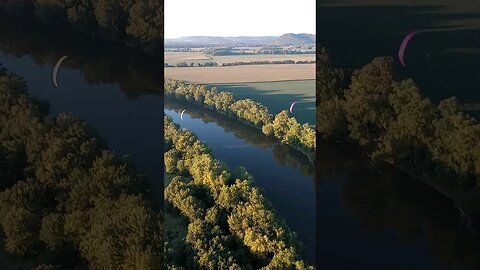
pixel 293 39
pixel 214 40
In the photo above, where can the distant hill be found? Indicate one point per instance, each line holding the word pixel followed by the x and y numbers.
pixel 293 39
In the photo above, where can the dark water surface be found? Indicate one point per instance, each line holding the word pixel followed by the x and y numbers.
pixel 443 58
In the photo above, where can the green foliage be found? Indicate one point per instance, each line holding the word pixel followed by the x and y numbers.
pixel 69 144
pixel 330 84
pixel 78 198
pixel 230 224
pixel 123 234
pixel 283 127
pixel 366 101
pixel 20 211
pixel 455 140
pixel 51 231
pixel 394 122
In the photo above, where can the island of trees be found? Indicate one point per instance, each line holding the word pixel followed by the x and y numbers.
pixel 281 126
pixel 215 218
pixel 66 201
pixel 393 122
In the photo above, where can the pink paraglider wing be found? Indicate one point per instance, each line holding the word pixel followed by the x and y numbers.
pixel 403 47
pixel 291 107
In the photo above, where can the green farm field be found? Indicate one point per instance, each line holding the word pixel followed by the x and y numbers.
pixel 278 96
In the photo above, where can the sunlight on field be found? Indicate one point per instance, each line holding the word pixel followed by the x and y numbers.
pixel 242 74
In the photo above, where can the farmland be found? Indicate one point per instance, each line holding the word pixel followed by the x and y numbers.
pixel 242 74
pixel 195 56
pixel 273 85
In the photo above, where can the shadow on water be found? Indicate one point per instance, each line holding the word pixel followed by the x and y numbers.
pixel 374 217
pixel 443 58
pixel 99 62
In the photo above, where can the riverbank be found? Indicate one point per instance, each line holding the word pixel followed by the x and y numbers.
pixel 204 186
pixel 286 129
pixel 393 122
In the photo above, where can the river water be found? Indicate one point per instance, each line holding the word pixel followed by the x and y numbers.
pixel 365 217
pixel 443 59
pixel 118 92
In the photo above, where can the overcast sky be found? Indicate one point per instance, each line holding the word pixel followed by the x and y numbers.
pixel 238 17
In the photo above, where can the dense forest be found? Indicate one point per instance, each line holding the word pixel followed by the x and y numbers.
pixel 281 126
pixel 138 23
pixel 215 218
pixel 66 201
pixel 394 122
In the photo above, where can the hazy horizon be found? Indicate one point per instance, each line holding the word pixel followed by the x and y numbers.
pixel 243 35
pixel 251 18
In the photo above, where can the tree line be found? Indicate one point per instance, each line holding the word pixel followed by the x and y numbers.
pixel 138 23
pixel 192 64
pixel 266 62
pixel 281 125
pixel 394 122
pixel 66 201
pixel 229 224
pixel 233 51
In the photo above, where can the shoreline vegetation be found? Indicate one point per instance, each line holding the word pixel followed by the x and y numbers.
pixel 394 123
pixel 66 201
pixel 281 126
pixel 240 63
pixel 218 220
pixel 137 24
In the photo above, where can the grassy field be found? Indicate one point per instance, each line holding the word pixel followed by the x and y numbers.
pixel 278 96
pixel 242 74
pixel 176 57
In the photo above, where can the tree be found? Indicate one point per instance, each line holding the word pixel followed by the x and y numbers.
pixel 366 101
pixel 20 210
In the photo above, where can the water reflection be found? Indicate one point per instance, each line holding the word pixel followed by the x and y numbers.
pixel 283 154
pixel 99 62
pixel 393 219
pixel 443 59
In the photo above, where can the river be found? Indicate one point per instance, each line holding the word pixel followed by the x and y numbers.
pixel 118 91
pixel 365 217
